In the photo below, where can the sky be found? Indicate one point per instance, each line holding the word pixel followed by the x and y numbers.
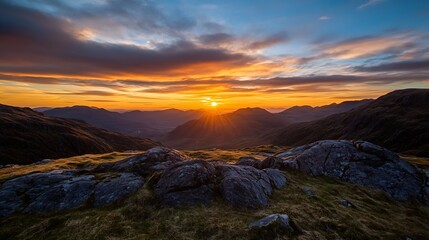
pixel 186 54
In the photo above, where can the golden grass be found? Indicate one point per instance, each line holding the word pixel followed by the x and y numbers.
pixel 376 216
pixel 419 161
pixel 83 161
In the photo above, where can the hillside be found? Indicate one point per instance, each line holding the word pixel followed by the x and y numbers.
pixel 398 120
pixel 27 136
pixel 307 113
pixel 237 129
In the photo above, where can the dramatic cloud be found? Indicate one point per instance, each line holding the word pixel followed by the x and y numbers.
pixel 369 46
pixel 403 66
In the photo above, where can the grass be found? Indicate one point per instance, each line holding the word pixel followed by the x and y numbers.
pixel 419 161
pixel 375 215
pixel 83 161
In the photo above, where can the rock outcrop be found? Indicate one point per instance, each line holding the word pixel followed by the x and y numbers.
pixel 153 160
pixel 358 162
pixel 177 180
pixel 186 183
pixel 59 190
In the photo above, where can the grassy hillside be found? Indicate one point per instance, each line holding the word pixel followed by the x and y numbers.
pixel 375 216
pixel 27 136
pixel 397 120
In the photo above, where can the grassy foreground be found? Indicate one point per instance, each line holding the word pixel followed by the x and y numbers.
pixel 375 215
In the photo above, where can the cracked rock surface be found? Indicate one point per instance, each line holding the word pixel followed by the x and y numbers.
pixel 60 190
pixel 358 162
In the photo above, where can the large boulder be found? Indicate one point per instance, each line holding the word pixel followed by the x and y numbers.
pixel 245 186
pixel 153 160
pixel 186 183
pixel 358 162
pixel 60 190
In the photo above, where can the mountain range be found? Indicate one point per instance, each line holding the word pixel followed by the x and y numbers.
pixel 27 136
pixel 398 120
pixel 151 124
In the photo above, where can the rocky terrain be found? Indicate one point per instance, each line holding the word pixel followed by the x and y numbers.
pixel 27 136
pixel 174 179
pixel 397 120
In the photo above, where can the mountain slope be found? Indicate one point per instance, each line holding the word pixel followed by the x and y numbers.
pixel 308 113
pixel 27 136
pixel 398 120
pixel 237 129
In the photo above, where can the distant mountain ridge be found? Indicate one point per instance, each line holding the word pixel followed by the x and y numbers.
pixel 27 136
pixel 237 129
pixel 151 124
pixel 307 113
pixel 398 120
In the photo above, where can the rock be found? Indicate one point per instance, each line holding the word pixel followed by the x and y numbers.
pixel 60 190
pixel 271 162
pixel 115 188
pixel 358 162
pixel 186 183
pixel 277 178
pixel 249 161
pixel 346 203
pixel 310 192
pixel 70 193
pixel 153 160
pixel 244 186
pixel 272 226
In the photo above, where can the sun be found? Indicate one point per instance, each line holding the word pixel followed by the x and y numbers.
pixel 214 104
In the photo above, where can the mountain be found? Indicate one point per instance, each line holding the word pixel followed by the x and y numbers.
pixel 28 136
pixel 151 124
pixel 166 120
pixel 237 129
pixel 308 113
pixel 398 120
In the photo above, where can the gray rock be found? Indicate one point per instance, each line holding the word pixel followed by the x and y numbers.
pixel 272 226
pixel 186 183
pixel 244 186
pixel 61 190
pixel 310 192
pixel 116 188
pixel 346 203
pixel 153 160
pixel 277 178
pixel 249 161
pixel 358 162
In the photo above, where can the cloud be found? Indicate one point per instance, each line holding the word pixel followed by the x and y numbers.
pixel 324 18
pixel 369 3
pixel 369 46
pixel 402 66
pixel 268 41
pixel 33 42
pixel 227 85
pixel 230 41
pixel 116 20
